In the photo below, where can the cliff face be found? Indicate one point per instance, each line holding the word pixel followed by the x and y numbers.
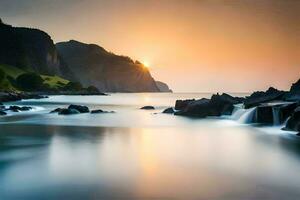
pixel 32 50
pixel 163 87
pixel 93 65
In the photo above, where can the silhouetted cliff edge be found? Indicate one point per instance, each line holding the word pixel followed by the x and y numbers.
pixel 93 65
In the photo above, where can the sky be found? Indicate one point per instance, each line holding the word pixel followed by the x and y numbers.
pixel 192 45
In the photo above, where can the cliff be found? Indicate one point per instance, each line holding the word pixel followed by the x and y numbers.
pixel 93 65
pixel 31 50
pixel 163 87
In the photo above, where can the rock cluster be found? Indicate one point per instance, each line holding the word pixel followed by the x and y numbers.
pixel 77 109
pixel 272 106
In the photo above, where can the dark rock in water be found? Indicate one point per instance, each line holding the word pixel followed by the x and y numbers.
pixel 81 109
pixel 68 111
pixel 100 111
pixel 181 104
pixel 97 111
pixel 286 111
pixel 2 107
pixel 57 110
pixel 216 106
pixel 14 108
pixel 169 110
pixel 293 122
pixel 257 98
pixel 147 108
pixel 264 115
pixel 2 112
pixel 25 108
pixel 13 96
pixel 197 108
pixel 1 104
pixel 274 114
pixel 19 108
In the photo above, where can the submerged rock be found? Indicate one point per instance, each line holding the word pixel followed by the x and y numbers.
pixel 97 111
pixel 81 109
pixel 68 111
pixel 101 111
pixel 2 112
pixel 168 110
pixel 147 108
pixel 19 108
pixel 57 110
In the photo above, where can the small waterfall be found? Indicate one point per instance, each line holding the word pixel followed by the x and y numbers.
pixel 248 116
pixel 276 113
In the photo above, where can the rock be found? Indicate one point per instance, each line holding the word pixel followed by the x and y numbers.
pixel 25 108
pixel 197 108
pixel 101 111
pixel 2 107
pixel 264 115
pixel 294 93
pixel 57 110
pixel 274 114
pixel 68 111
pixel 97 111
pixel 81 109
pixel 181 104
pixel 293 122
pixel 13 96
pixel 19 108
pixel 258 98
pixel 147 108
pixel 286 111
pixel 169 110
pixel 2 112
pixel 216 106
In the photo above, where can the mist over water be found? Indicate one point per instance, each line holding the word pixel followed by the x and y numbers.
pixel 137 154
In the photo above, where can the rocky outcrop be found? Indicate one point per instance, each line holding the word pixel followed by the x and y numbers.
pixel 294 93
pixel 163 87
pixel 147 108
pixel 293 122
pixel 79 108
pixel 182 104
pixel 100 111
pixel 260 97
pixel 216 106
pixel 168 110
pixel 93 65
pixel 67 111
pixel 17 96
pixel 31 50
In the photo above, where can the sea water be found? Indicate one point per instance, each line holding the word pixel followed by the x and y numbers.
pixel 141 154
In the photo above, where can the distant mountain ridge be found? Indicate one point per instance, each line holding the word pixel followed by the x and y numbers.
pixel 93 65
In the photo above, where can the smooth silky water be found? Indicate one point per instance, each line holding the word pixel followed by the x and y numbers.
pixel 142 154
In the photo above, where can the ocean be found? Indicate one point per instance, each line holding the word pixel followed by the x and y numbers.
pixel 142 154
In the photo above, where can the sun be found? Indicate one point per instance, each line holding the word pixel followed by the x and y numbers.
pixel 146 64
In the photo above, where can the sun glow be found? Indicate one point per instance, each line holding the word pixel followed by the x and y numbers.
pixel 146 64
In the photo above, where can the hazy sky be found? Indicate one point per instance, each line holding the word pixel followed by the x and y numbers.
pixel 196 45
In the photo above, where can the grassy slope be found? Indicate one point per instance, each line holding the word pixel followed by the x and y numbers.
pixel 14 72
